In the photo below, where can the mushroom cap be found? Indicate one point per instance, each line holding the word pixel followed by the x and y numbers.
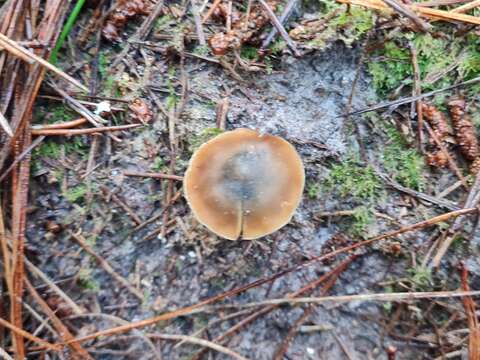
pixel 243 184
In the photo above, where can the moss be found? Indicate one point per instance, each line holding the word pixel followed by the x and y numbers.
pixel 363 217
pixel 403 164
pixel 420 277
pixel 86 280
pixel 196 140
pixel 313 190
pixel 76 193
pixel 352 178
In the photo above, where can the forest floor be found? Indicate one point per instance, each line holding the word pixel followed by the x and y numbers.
pixel 381 213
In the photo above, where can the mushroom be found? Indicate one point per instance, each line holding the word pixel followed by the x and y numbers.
pixel 243 184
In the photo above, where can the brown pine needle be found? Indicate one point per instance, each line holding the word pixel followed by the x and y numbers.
pixel 401 296
pixel 18 50
pixel 466 7
pixel 427 12
pixel 29 336
pixel 73 132
pixel 197 307
pixel 202 342
pixel 107 267
pixel 65 125
pixel 154 175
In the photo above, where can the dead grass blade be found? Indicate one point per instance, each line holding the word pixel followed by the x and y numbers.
pixel 74 132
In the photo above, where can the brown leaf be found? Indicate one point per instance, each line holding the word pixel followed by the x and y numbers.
pixel 141 111
pixel 464 129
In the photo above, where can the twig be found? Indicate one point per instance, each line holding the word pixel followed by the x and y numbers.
pixel 22 156
pixel 136 219
pixel 417 92
pixel 5 125
pixel 195 308
pixel 153 175
pixel 474 329
pixel 425 11
pixel 466 7
pixel 214 6
pixel 65 125
pixel 106 266
pixel 202 342
pixel 431 199
pixel 75 308
pixel 277 24
pixel 28 336
pixel 409 99
pixel 14 48
pixel 405 11
pixel 285 14
pixel 198 24
pixel 73 132
pixel 62 330
pixel 309 287
pixel 402 296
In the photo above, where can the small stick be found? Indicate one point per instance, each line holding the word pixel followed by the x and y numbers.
pixel 28 336
pixel 222 111
pixel 73 132
pixel 409 99
pixel 214 6
pixel 153 175
pixel 65 125
pixel 405 11
pixel 10 45
pixel 434 3
pixel 285 14
pixel 107 267
pixel 417 92
pixel 61 329
pixel 466 7
pixel 20 157
pixel 120 203
pixel 76 309
pixel 5 125
pixel 198 24
pixel 280 28
pixel 400 296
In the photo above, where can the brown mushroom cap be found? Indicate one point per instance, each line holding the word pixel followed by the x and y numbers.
pixel 244 184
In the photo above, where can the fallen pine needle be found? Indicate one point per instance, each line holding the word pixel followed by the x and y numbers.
pixel 28 336
pixel 72 132
pixel 199 306
pixel 64 125
pixel 403 296
pixel 107 267
pixel 18 50
pixel 154 175
pixel 198 341
pixel 425 11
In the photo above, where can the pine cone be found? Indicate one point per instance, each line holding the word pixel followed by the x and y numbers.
pixel 475 166
pixel 437 159
pixel 437 121
pixel 464 130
